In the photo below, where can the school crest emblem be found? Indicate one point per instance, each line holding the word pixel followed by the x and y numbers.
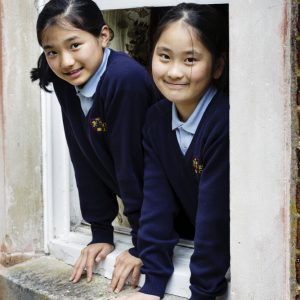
pixel 197 166
pixel 98 125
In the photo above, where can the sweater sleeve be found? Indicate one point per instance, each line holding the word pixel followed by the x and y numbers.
pixel 98 204
pixel 130 92
pixel 157 237
pixel 210 260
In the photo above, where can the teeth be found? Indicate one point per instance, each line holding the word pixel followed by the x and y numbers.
pixel 72 72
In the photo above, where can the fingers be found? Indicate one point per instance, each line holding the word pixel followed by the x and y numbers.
pixel 115 279
pixel 135 276
pixel 121 277
pixel 78 268
pixel 119 273
pixel 89 265
pixel 89 255
pixel 126 264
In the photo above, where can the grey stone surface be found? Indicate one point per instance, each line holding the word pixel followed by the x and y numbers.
pixel 47 278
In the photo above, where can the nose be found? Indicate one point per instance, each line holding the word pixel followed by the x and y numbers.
pixel 175 71
pixel 67 60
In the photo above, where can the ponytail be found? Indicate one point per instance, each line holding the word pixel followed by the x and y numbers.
pixel 43 73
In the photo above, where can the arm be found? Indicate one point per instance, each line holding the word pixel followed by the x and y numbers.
pixel 156 238
pixel 130 93
pixel 97 206
pixel 128 97
pixel 210 260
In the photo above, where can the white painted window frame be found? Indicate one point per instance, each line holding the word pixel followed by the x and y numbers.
pixel 59 241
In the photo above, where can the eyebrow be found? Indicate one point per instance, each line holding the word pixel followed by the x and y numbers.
pixel 68 40
pixel 192 52
pixel 161 48
pixel 188 52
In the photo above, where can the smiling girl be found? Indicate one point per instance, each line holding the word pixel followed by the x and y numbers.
pixel 186 142
pixel 104 96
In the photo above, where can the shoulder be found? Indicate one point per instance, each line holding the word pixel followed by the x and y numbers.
pixel 159 116
pixel 214 128
pixel 220 105
pixel 122 67
pixel 63 90
pixel 217 114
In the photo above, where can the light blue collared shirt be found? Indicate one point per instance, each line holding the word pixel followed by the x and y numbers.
pixel 87 92
pixel 185 131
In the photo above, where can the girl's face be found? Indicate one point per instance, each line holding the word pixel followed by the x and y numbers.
pixel 73 54
pixel 182 67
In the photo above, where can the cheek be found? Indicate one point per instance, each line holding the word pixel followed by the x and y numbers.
pixel 157 70
pixel 52 65
pixel 202 74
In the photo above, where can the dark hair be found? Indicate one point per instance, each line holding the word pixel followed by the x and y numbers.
pixel 211 27
pixel 82 14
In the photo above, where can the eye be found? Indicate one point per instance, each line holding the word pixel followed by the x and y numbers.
pixel 190 60
pixel 51 53
pixel 75 46
pixel 164 57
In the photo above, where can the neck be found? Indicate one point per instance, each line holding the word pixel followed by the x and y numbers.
pixel 185 110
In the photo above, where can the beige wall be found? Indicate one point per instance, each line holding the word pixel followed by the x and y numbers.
pixel 21 223
pixel 261 163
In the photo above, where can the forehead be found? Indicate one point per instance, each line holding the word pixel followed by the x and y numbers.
pixel 181 32
pixel 59 32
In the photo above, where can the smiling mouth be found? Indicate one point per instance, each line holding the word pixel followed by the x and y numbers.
pixel 176 86
pixel 73 72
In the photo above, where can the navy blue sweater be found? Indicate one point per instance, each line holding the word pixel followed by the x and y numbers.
pixel 197 183
pixel 105 146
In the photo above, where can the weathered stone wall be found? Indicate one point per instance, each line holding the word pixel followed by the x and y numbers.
pixel 21 224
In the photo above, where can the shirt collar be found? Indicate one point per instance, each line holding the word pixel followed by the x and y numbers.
pixel 193 121
pixel 90 87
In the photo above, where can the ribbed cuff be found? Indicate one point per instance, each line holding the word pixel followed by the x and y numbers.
pixel 133 251
pixel 133 236
pixel 154 285
pixel 102 235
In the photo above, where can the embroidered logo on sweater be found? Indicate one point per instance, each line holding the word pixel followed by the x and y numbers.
pixel 197 166
pixel 98 125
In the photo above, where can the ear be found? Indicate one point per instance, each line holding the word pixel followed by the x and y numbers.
pixel 104 36
pixel 219 67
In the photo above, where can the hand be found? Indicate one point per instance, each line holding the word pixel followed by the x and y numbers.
pixel 91 254
pixel 138 296
pixel 126 264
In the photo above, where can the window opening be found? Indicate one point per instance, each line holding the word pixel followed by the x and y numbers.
pixel 131 31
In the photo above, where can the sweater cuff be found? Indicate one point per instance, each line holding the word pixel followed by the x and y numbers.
pixel 133 251
pixel 155 285
pixel 102 235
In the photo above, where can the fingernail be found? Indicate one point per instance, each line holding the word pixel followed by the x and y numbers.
pixel 117 291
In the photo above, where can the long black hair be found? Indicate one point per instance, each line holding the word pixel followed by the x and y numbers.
pixel 82 14
pixel 211 26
